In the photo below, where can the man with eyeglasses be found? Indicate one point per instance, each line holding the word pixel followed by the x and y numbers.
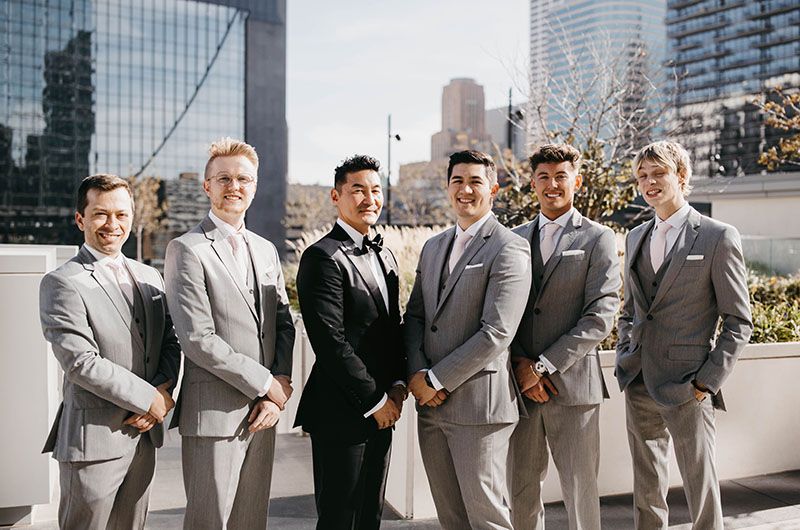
pixel 231 313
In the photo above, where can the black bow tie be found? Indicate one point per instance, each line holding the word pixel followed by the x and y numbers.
pixel 376 244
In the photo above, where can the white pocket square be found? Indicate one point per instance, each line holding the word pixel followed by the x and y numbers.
pixel 694 257
pixel 577 252
pixel 473 266
pixel 157 297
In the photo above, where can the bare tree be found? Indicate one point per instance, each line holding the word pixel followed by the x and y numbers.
pixel 150 209
pixel 608 101
pixel 782 109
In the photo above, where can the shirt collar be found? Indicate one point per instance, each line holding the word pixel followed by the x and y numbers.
pixel 355 235
pixel 561 220
pixel 474 227
pixel 677 219
pixel 226 228
pixel 104 260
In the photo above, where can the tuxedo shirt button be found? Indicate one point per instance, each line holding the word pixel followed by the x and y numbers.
pixel 434 328
pixel 649 317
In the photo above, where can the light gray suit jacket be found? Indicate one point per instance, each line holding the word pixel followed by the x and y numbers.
pixel 230 347
pixel 463 334
pixel 110 371
pixel 574 308
pixel 671 339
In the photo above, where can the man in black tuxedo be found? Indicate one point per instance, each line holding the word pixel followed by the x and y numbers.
pixel 348 290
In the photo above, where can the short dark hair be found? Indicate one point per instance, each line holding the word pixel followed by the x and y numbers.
pixel 100 182
pixel 353 164
pixel 471 156
pixel 555 153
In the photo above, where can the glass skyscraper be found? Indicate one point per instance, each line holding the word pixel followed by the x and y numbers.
pixel 132 88
pixel 726 51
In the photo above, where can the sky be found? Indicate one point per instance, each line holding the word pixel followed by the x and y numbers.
pixel 351 63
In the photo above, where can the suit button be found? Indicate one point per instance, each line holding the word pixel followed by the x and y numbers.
pixel 137 320
pixel 141 334
pixel 655 284
pixel 536 311
pixel 434 328
pixel 652 298
pixel 649 317
pixel 147 359
pixel 263 334
pixel 251 291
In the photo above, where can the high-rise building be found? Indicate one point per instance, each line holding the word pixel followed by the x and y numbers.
pixel 725 53
pixel 463 119
pixel 134 88
pixel 581 52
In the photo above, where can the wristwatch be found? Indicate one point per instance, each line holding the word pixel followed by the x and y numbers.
pixel 428 380
pixel 540 367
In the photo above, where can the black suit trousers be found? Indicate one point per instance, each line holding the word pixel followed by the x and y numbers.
pixel 350 480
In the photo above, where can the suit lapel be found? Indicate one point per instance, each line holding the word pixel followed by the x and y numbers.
pixel 472 248
pixel 263 267
pixel 361 264
pixel 223 251
pixel 441 254
pixel 636 246
pixel 679 252
pixel 568 236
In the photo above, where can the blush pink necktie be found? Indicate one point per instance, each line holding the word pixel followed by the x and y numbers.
pixel 549 242
pixel 458 249
pixel 239 247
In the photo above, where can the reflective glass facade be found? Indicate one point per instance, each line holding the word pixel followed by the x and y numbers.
pixel 109 86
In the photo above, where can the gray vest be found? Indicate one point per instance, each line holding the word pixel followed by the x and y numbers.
pixel 139 325
pixel 650 280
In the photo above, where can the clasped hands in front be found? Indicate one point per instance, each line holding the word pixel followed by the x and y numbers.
pixel 535 387
pixel 426 395
pixel 162 403
pixel 267 409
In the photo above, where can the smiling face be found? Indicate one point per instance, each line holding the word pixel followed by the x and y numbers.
pixel 359 200
pixel 555 184
pixel 229 201
pixel 106 220
pixel 661 187
pixel 470 192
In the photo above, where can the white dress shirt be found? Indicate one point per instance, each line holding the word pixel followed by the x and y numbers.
pixel 103 265
pixel 676 222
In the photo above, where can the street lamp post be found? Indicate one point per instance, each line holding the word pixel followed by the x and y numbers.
pixel 389 172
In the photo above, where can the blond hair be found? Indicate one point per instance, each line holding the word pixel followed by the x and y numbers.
pixel 669 155
pixel 229 147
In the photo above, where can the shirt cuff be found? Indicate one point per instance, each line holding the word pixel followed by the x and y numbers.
pixel 436 384
pixel 399 382
pixel 377 407
pixel 547 364
pixel 267 385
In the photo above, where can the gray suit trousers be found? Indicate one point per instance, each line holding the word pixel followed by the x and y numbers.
pixel 227 481
pixel 107 494
pixel 467 468
pixel 573 434
pixel 691 427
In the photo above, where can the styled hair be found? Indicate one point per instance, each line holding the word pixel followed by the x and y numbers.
pixel 229 147
pixel 354 164
pixel 470 156
pixel 100 182
pixel 669 155
pixel 555 154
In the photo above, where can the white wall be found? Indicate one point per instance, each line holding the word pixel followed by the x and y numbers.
pixel 770 216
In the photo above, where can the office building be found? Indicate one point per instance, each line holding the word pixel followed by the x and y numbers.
pixel 463 120
pixel 134 88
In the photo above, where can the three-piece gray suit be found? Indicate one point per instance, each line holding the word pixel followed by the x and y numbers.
pixel 114 353
pixel 668 339
pixel 235 332
pixel 460 325
pixel 573 300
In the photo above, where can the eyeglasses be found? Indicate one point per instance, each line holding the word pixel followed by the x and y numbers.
pixel 224 180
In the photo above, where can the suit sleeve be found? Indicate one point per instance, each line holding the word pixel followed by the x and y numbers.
pixel 169 363
pixel 191 312
pixel 320 290
pixel 504 303
pixel 414 325
pixel 284 326
pixel 625 321
pixel 601 302
pixel 729 278
pixel 66 326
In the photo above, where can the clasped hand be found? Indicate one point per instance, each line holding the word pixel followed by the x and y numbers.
pixel 425 394
pixel 162 403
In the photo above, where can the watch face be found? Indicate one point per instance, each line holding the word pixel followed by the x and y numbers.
pixel 540 367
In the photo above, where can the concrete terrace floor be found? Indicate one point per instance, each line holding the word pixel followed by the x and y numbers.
pixel 763 502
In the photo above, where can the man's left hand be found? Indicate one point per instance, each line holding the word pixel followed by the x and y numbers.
pixel 526 378
pixel 397 394
pixel 425 394
pixel 143 422
pixel 265 414
pixel 699 394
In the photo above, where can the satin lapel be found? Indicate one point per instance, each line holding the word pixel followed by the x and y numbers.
pixel 361 263
pixel 441 254
pixel 392 275
pixel 638 293
pixel 472 248
pixel 568 236
pixel 225 254
pixel 681 249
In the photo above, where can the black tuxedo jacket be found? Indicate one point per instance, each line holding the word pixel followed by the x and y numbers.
pixel 357 342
